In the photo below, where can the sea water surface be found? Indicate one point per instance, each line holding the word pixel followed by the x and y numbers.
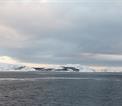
pixel 60 89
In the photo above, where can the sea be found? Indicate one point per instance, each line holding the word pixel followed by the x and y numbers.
pixel 60 89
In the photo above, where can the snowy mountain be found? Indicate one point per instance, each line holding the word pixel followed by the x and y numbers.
pixel 79 68
pixel 66 68
pixel 14 67
pixel 106 69
pixel 59 68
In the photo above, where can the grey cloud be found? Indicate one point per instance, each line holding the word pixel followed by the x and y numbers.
pixel 59 33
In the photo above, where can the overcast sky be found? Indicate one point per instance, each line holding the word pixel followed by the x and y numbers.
pixel 62 31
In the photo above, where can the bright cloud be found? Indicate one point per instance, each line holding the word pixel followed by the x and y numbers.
pixel 7 59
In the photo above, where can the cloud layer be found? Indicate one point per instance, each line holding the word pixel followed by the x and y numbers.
pixel 60 32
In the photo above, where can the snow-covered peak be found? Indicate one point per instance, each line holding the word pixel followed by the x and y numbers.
pixel 106 68
pixel 14 67
pixel 66 68
pixel 80 67
pixel 59 68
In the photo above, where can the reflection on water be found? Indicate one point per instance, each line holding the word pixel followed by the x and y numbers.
pixel 57 78
pixel 61 90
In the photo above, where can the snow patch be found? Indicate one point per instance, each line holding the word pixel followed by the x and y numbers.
pixel 14 67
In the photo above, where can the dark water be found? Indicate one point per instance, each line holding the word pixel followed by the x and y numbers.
pixel 60 89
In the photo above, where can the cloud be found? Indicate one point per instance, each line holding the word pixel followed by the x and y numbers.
pixel 10 38
pixel 102 57
pixel 62 32
pixel 6 59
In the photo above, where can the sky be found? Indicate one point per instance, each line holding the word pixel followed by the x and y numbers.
pixel 61 32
